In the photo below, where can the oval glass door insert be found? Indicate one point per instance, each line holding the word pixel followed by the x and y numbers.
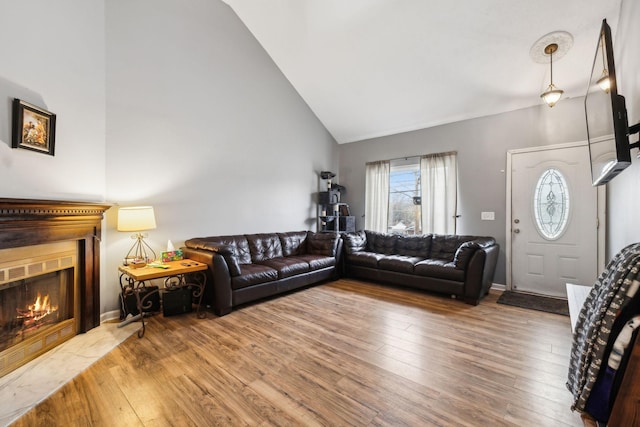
pixel 551 204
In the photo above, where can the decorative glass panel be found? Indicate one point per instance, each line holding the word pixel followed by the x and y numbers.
pixel 551 204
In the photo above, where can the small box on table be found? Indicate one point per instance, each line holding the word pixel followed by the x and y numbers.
pixel 168 256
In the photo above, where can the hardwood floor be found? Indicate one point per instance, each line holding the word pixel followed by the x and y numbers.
pixel 343 353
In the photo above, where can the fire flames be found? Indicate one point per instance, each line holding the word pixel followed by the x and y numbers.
pixel 41 307
pixel 38 311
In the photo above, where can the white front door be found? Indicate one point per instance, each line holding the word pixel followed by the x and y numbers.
pixel 553 220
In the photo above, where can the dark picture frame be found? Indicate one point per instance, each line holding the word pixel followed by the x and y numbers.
pixel 34 128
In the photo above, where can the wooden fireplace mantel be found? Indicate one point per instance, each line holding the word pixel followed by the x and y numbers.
pixel 27 222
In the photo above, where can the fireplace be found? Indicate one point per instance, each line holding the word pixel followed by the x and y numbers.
pixel 49 275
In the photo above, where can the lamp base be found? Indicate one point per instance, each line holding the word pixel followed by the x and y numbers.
pixel 140 251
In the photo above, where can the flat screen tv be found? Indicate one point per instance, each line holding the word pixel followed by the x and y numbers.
pixel 606 114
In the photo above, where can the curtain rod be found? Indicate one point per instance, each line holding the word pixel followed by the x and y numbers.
pixel 418 156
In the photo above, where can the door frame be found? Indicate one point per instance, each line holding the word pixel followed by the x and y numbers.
pixel 600 200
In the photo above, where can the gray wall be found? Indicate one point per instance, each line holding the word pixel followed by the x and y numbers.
pixel 482 145
pixel 203 126
pixel 161 102
pixel 624 191
pixel 175 104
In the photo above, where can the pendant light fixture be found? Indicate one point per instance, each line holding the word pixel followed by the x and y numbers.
pixel 552 94
pixel 550 47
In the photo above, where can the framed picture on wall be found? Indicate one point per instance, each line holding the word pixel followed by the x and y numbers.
pixel 34 128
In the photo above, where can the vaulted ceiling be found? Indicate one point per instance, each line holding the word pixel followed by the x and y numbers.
pixel 370 68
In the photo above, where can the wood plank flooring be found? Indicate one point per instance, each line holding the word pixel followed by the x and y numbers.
pixel 345 353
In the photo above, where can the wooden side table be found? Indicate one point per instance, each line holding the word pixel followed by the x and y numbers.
pixel 177 274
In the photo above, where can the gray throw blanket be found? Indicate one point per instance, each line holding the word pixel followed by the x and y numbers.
pixel 613 290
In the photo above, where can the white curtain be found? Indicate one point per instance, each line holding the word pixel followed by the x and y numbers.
pixel 376 208
pixel 439 182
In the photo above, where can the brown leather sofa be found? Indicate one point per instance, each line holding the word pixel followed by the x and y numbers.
pixel 461 266
pixel 245 268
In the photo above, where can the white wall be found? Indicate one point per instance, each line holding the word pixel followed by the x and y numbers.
pixel 482 145
pixel 53 56
pixel 202 125
pixel 624 191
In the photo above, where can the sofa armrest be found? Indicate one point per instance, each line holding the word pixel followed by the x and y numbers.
pixel 479 273
pixel 218 287
pixel 466 250
pixel 227 252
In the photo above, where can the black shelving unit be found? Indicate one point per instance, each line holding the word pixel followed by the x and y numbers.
pixel 331 213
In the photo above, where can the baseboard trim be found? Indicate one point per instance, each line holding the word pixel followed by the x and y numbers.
pixel 498 287
pixel 109 316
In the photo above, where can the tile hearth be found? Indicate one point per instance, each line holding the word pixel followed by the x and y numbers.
pixel 24 388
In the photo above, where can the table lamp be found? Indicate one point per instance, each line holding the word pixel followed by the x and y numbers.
pixel 137 219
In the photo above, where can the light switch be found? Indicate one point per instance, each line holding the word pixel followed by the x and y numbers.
pixel 488 216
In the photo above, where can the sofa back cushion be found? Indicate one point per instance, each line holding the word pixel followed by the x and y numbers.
pixel 325 244
pixel 354 242
pixel 293 243
pixel 381 243
pixel 414 246
pixel 264 246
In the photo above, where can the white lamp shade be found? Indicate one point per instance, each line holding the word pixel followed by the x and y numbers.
pixel 138 218
pixel 552 95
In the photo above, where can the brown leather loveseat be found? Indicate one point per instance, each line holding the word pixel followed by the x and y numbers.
pixel 245 268
pixel 461 266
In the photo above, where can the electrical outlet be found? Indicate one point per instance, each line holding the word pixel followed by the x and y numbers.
pixel 488 216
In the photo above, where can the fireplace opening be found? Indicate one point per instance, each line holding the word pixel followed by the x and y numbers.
pixel 32 306
pixel 39 237
pixel 39 300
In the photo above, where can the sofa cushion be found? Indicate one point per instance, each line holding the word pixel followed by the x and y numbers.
pixel 317 262
pixel 232 260
pixel 414 246
pixel 364 259
pixel 399 263
pixel 381 243
pixel 444 246
pixel 354 242
pixel 293 243
pixel 440 269
pixel 264 246
pixel 287 266
pixel 325 244
pixel 254 274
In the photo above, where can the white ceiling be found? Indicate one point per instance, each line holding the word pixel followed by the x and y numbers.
pixel 370 68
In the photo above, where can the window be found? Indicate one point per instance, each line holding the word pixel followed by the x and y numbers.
pixel 414 195
pixel 551 204
pixel 404 196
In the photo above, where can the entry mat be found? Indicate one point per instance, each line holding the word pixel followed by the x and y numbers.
pixel 535 302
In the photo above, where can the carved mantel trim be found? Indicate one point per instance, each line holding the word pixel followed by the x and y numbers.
pixel 26 222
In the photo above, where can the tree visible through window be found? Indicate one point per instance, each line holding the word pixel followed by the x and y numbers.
pixel 404 196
